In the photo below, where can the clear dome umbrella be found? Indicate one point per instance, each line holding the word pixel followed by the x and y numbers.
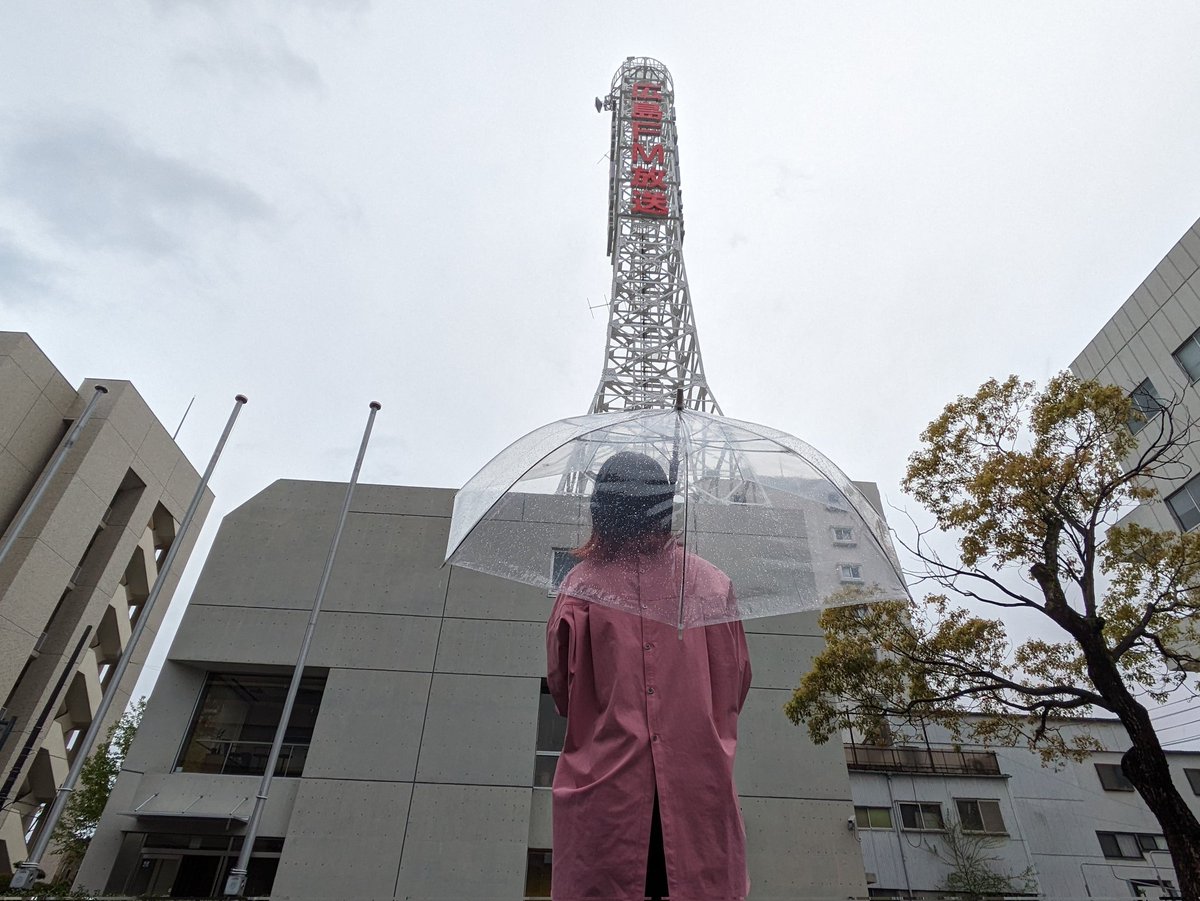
pixel 790 530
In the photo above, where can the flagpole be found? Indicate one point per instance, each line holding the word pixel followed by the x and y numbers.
pixel 18 526
pixel 27 871
pixel 235 883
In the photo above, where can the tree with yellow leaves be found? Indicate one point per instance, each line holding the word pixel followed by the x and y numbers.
pixel 1031 484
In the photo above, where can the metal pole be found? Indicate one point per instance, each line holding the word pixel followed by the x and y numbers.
pixel 235 883
pixel 27 871
pixel 14 531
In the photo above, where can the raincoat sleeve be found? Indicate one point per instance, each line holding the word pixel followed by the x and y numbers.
pixel 558 650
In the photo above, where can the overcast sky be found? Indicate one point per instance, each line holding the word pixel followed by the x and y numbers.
pixel 324 203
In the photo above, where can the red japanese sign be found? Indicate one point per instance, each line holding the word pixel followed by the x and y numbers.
pixel 648 172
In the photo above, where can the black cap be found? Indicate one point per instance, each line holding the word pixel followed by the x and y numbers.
pixel 632 497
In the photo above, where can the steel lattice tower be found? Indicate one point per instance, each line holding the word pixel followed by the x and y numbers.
pixel 652 349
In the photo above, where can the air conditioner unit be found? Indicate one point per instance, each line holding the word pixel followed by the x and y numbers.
pixel 75 576
pixel 39 644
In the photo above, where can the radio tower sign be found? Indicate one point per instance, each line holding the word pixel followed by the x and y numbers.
pixel 652 350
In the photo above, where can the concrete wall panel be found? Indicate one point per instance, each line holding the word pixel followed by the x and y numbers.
pixel 776 759
pixel 490 647
pixel 343 841
pixel 465 841
pixel 388 564
pixel 383 710
pixel 801 849
pixel 780 661
pixel 474 595
pixel 480 729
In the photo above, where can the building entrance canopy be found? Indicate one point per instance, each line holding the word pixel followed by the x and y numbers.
pixel 788 527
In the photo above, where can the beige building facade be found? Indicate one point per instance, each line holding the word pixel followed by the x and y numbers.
pixel 74 583
pixel 418 760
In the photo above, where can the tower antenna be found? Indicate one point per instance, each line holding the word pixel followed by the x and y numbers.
pixel 652 348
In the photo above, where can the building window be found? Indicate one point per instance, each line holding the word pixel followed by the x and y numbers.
pixel 537 874
pixel 835 502
pixel 1112 777
pixel 843 536
pixel 873 817
pixel 1145 405
pixel 920 817
pixel 1193 778
pixel 1185 504
pixel 1129 845
pixel 1188 356
pixel 234 725
pixel 196 866
pixel 551 734
pixel 980 815
pixel 563 562
pixel 850 572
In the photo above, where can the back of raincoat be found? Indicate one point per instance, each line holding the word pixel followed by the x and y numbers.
pixel 646 712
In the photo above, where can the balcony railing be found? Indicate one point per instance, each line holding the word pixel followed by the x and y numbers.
pixel 922 760
pixel 243 758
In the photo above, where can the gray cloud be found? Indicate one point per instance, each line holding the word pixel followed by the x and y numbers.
pixel 22 274
pixel 95 185
pixel 263 62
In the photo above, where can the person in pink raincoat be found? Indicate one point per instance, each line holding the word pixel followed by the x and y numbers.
pixel 644 799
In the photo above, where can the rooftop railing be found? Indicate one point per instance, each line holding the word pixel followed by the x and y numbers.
pixel 922 760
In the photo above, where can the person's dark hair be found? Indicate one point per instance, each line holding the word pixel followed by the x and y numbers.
pixel 631 508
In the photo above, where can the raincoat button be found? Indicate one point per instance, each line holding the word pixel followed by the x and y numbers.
pixel 649 691
pixel 654 737
pixel 647 646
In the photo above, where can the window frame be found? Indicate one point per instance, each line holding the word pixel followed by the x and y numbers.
pixel 1193 778
pixel 1149 407
pixel 855 578
pixel 556 580
pixel 1191 339
pixel 542 755
pixel 921 811
pixel 978 802
pixel 1116 776
pixel 308 681
pixel 1190 489
pixel 1134 838
pixel 866 810
pixel 848 541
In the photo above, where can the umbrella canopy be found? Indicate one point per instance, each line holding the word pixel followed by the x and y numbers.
pixel 644 496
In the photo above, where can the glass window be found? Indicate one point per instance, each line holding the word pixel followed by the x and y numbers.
pixel 850 572
pixel 1185 504
pixel 1120 845
pixel 235 721
pixel 843 535
pixel 1146 404
pixel 1112 777
pixel 1188 356
pixel 537 874
pixel 1152 842
pixel 551 734
pixel 196 866
pixel 561 564
pixel 980 815
pixel 922 817
pixel 1193 778
pixel 873 817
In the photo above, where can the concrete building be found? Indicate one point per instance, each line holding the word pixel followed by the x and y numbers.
pixel 1151 348
pixel 74 583
pixel 1078 830
pixel 417 764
